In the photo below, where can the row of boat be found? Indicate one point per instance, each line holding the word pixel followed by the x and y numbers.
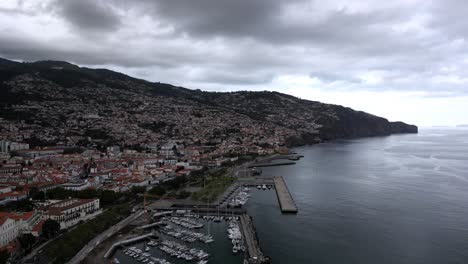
pixel 184 222
pixel 181 251
pixel 235 235
pixel 219 218
pixel 263 187
pixel 240 198
pixel 213 218
pixel 143 257
pixel 206 217
pixel 186 235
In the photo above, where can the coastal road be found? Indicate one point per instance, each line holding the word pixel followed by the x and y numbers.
pixel 242 171
pixel 103 236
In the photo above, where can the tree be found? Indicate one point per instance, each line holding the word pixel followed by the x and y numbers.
pixel 183 194
pixel 50 228
pixel 36 194
pixel 58 193
pixel 138 189
pixel 176 183
pixel 107 197
pixel 24 205
pixel 158 190
pixel 4 256
pixel 27 241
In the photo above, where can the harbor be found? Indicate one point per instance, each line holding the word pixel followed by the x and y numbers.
pixel 192 234
pixel 188 238
pixel 218 232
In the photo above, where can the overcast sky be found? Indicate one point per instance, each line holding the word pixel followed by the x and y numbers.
pixel 401 59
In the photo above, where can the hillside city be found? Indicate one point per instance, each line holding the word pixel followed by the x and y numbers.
pixel 80 148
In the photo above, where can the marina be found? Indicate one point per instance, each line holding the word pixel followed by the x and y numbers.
pixel 213 240
pixel 237 198
pixel 183 233
pixel 186 235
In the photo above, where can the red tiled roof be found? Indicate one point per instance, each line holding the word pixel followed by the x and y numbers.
pixel 57 208
pixel 3 220
pixel 17 216
pixel 38 227
pixel 12 194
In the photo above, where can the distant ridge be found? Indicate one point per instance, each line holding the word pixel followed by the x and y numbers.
pixel 53 99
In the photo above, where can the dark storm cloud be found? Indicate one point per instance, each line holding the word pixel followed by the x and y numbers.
pixel 269 21
pixel 223 17
pixel 394 45
pixel 92 15
pixel 19 48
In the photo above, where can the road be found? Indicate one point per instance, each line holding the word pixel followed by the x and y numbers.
pixel 242 171
pixel 103 236
pixel 246 169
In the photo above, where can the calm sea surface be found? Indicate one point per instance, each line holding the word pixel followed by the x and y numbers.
pixel 397 199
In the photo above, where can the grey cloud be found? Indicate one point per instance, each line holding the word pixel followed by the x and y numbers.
pixel 89 15
pixel 451 17
pixel 264 20
pixel 250 42
pixel 234 78
pixel 222 17
pixel 330 76
pixel 27 50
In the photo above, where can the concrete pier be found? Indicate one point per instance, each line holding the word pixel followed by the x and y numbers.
pixel 285 199
pixel 255 181
pixel 254 253
pixel 115 246
pixel 271 164
pixel 212 210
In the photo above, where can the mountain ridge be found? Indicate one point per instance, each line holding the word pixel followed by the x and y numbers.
pixel 137 104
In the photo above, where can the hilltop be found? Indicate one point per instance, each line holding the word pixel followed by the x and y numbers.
pixel 50 102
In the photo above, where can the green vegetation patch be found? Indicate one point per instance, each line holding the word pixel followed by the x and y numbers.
pixel 66 246
pixel 215 184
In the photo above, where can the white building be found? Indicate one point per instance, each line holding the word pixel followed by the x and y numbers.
pixel 71 211
pixel 12 196
pixel 7 146
pixel 8 231
pixel 28 221
pixel 76 186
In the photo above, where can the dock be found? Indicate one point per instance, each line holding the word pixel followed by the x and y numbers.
pixel 271 164
pixel 285 199
pixel 117 245
pixel 255 181
pixel 254 253
pixel 269 161
pixel 197 209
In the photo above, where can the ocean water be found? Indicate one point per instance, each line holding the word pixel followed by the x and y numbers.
pixel 396 199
